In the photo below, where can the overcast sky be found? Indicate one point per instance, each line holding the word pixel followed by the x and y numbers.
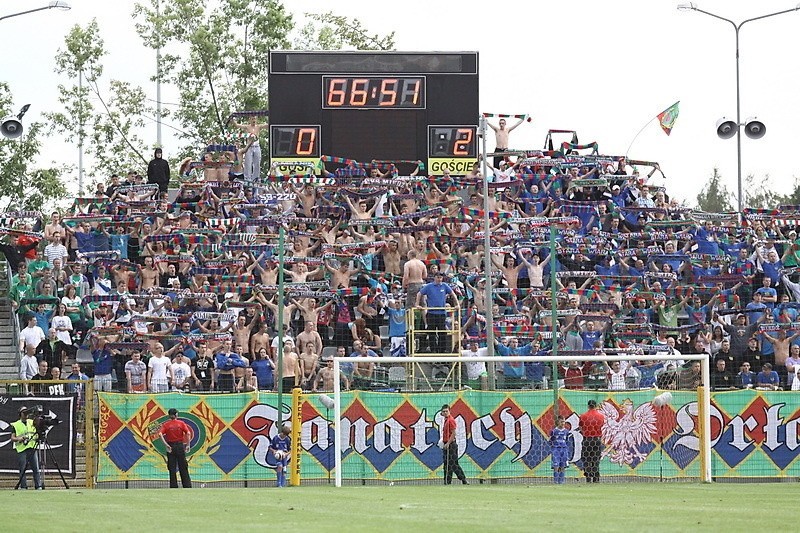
pixel 601 68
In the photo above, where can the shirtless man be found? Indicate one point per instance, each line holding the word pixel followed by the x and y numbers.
pixel 268 273
pixel 55 226
pixel 310 335
pixel 325 378
pixel 340 277
pixel 308 365
pixel 260 339
pixel 501 137
pixel 308 199
pixel 242 331
pixel 359 210
pixel 300 273
pixel 149 274
pixel 309 309
pixel 327 231
pixel 391 257
pixel 291 370
pixel 252 158
pixel 414 275
pixel 273 306
pixel 474 259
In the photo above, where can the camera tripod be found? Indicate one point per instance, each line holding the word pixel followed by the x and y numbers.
pixel 42 455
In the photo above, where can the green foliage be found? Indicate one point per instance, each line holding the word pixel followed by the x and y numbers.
pixel 108 134
pixel 333 32
pixel 714 198
pixel 761 194
pixel 23 186
pixel 217 54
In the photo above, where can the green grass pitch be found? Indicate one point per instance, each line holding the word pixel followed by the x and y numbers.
pixel 573 507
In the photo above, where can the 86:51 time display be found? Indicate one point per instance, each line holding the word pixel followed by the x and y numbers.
pixel 365 92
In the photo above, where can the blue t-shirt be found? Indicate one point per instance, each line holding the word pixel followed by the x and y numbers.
pixel 768 379
pixel 263 372
pixel 397 322
pixel 769 292
pixel 120 244
pixel 589 338
pixel 514 370
pixel 103 361
pixel 558 437
pixel 436 294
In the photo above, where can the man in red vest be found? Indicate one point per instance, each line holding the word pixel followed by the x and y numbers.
pixel 450 449
pixel 591 427
pixel 175 434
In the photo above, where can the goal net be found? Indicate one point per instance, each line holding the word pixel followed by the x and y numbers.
pixel 648 434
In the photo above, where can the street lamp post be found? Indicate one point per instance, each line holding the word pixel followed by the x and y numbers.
pixel 725 129
pixel 52 5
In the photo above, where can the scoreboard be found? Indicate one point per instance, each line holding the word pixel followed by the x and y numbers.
pixel 389 106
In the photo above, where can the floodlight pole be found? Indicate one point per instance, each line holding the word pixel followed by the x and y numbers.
pixel 554 321
pixel 736 28
pixel 487 258
pixel 281 249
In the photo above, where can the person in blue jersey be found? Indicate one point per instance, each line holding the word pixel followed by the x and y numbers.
pixel 436 295
pixel 514 372
pixel 279 446
pixel 559 450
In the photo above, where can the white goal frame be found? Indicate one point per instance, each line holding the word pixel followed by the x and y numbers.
pixel 704 359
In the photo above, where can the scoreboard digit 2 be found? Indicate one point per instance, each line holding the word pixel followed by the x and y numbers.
pixel 375 105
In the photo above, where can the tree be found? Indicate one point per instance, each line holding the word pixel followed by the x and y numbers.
pixel 21 186
pixel 217 54
pixel 110 131
pixel 793 198
pixel 714 198
pixel 334 32
pixel 761 194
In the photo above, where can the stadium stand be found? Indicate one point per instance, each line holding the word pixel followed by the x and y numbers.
pixel 196 271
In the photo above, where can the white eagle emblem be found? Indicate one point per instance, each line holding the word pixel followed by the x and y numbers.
pixel 626 429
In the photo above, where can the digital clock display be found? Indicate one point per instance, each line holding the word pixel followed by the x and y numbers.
pixel 452 141
pixel 387 92
pixel 295 141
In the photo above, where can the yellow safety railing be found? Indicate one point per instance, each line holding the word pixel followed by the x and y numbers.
pixel 425 339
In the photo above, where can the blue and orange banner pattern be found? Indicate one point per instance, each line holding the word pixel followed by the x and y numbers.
pixel 394 436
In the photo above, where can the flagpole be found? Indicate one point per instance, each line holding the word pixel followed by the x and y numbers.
pixel 637 135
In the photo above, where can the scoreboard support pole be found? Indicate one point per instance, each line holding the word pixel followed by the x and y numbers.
pixel 487 258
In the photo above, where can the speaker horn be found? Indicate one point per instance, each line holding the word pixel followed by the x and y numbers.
pixel 326 401
pixel 726 128
pixel 754 128
pixel 11 128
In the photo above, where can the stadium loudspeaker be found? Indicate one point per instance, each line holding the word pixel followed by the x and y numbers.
pixel 326 401
pixel 11 128
pixel 754 128
pixel 726 128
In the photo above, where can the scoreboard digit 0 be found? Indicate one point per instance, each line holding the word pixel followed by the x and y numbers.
pixel 375 105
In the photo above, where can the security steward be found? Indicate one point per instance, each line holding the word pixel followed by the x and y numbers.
pixel 591 427
pixel 175 434
pixel 26 439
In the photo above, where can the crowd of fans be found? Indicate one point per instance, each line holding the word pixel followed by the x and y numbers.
pixel 183 294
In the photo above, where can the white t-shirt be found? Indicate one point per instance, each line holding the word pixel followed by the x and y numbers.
pixel 181 372
pixel 159 366
pixel 32 336
pixel 476 369
pixel 62 322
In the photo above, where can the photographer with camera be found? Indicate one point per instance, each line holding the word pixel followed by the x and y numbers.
pixel 26 439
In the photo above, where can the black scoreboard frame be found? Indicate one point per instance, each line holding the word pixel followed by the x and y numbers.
pixel 378 105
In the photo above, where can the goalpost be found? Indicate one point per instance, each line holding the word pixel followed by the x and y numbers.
pixel 626 445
